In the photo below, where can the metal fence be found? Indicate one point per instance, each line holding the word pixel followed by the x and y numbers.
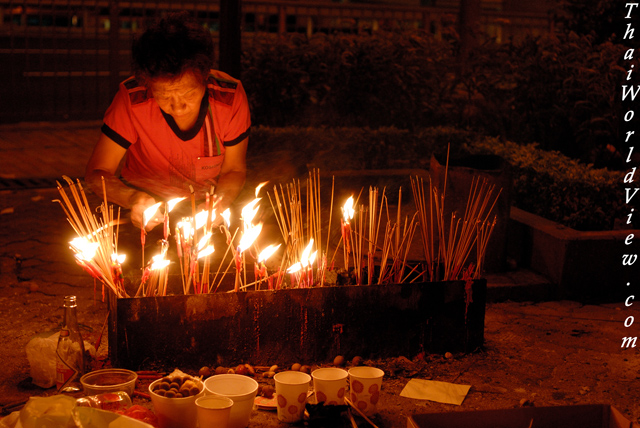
pixel 62 60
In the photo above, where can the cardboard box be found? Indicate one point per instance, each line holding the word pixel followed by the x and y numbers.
pixel 579 416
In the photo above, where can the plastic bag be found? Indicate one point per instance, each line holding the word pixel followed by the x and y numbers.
pixel 41 353
pixel 39 412
pixel 60 411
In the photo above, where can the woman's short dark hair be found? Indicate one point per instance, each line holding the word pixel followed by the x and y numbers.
pixel 170 47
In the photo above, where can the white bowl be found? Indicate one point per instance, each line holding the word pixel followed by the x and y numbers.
pixel 175 412
pixel 241 389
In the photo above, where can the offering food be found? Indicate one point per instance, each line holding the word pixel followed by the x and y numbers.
pixel 179 386
pixel 205 372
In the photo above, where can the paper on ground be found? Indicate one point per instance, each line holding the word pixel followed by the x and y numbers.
pixel 433 390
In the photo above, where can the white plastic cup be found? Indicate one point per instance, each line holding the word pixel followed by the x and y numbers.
pixel 291 395
pixel 175 412
pixel 330 384
pixel 239 388
pixel 213 411
pixel 364 388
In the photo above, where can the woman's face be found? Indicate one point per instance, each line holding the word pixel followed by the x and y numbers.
pixel 180 98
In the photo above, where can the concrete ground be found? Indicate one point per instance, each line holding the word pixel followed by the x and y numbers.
pixel 536 352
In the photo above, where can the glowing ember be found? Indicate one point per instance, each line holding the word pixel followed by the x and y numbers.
pixel 267 252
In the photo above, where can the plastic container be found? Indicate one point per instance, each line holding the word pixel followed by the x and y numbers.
pixel 175 412
pixel 109 380
pixel 112 401
pixel 241 389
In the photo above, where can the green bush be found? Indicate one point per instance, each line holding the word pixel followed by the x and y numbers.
pixel 546 183
pixel 561 91
pixel 359 148
pixel 558 188
pixel 384 79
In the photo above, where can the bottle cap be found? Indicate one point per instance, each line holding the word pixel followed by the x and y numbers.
pixel 70 301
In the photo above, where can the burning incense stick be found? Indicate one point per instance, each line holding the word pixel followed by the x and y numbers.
pixel 95 247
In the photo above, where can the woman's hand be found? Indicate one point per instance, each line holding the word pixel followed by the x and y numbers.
pixel 139 202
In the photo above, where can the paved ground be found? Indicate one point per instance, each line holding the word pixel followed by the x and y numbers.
pixel 540 353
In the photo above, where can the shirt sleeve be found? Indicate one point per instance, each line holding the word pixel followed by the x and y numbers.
pixel 240 118
pixel 118 122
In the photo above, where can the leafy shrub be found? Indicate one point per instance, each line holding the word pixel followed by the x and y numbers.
pixel 558 188
pixel 360 148
pixel 566 94
pixel 384 79
pixel 561 91
pixel 546 183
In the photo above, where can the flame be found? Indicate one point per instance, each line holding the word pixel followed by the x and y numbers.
pixel 226 215
pixel 173 202
pixel 304 258
pixel 204 241
pixel 249 236
pixel 312 258
pixel 267 252
pixel 118 258
pixel 201 218
pixel 84 249
pixel 150 212
pixel 249 211
pixel 206 251
pixel 260 186
pixel 294 267
pixel 159 262
pixel 185 226
pixel 347 210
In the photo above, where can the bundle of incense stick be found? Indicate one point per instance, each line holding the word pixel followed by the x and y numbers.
pixel 358 240
pixel 396 241
pixel 402 234
pixel 424 211
pixel 288 211
pixel 463 232
pixel 96 247
pixel 457 237
pixel 190 248
pixel 154 278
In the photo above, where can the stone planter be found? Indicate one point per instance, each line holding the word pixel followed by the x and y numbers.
pixel 296 325
pixel 582 265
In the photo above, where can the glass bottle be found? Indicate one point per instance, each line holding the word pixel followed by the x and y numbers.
pixel 70 350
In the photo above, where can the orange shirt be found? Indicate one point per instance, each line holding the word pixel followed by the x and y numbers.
pixel 163 160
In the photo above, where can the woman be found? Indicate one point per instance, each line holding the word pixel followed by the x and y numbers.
pixel 181 125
